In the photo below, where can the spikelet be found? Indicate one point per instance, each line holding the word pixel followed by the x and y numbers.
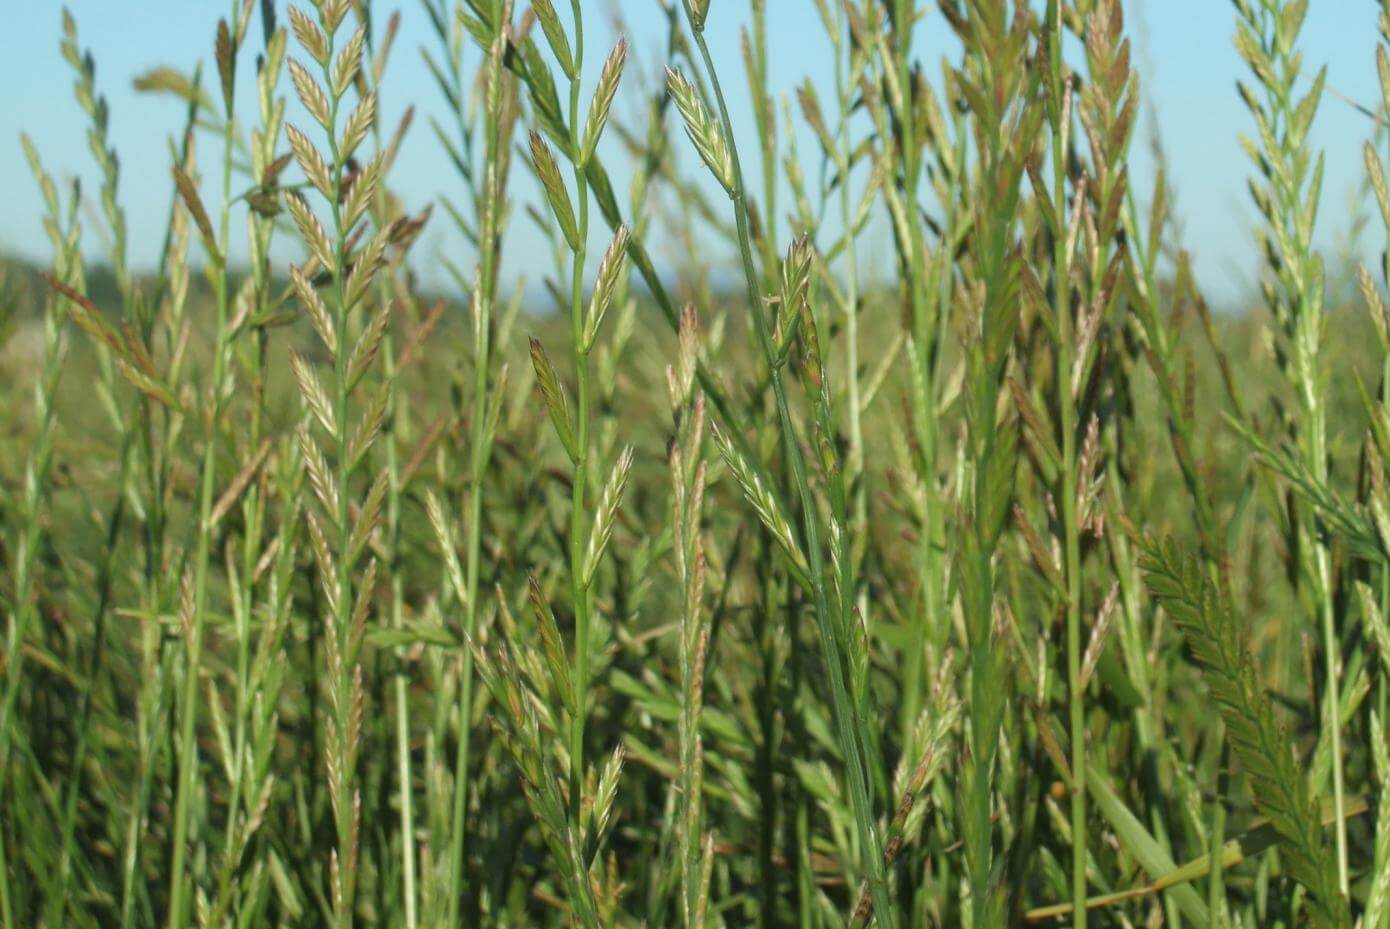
pixel 703 131
pixel 603 100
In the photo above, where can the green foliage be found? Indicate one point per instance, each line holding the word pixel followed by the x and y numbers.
pixel 1220 643
pixel 695 567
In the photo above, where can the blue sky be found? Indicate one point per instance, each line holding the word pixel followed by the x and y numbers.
pixel 1184 51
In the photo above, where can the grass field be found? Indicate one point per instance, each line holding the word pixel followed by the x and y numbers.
pixel 1014 587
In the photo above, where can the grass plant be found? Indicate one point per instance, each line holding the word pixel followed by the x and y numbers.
pixel 852 513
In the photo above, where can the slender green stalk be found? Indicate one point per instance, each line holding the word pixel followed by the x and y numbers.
pixel 996 77
pixel 579 591
pixel 1061 114
pixel 399 414
pixel 486 191
pixel 575 834
pixel 688 489
pixel 850 730
pixel 400 685
pixel 65 232
pixel 1267 36
pixel 845 67
pixel 926 320
pixel 353 260
pixel 765 121
pixel 179 896
pixel 345 688
pixel 497 131
pixel 58 897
